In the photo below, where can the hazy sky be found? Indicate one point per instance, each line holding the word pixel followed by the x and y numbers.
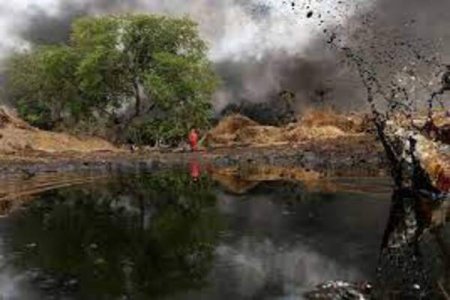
pixel 259 47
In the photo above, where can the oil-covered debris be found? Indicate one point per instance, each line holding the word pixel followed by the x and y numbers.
pixel 413 262
pixel 403 269
pixel 339 290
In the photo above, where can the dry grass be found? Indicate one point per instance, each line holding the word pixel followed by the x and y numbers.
pixel 237 130
pixel 232 124
pixel 329 118
pixel 301 132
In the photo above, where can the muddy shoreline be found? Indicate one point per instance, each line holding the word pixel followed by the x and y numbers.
pixel 344 157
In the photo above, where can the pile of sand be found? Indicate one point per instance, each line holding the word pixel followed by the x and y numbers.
pixel 237 130
pixel 17 136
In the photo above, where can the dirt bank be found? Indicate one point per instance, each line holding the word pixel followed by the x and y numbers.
pixel 324 142
pixel 349 156
pixel 18 138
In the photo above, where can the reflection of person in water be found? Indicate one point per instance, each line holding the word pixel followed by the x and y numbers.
pixel 194 169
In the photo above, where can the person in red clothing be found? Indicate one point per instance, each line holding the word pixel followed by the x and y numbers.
pixel 193 139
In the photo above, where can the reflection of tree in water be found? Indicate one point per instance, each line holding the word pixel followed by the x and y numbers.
pixel 142 236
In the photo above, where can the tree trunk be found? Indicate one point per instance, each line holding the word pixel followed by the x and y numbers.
pixel 55 113
pixel 137 94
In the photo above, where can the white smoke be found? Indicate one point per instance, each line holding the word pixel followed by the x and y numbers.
pixel 13 17
pixel 236 30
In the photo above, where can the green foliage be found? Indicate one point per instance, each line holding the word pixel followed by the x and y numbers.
pixel 155 131
pixel 42 83
pixel 181 91
pixel 148 73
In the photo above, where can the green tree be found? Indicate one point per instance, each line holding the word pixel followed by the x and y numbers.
pixel 145 236
pixel 149 74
